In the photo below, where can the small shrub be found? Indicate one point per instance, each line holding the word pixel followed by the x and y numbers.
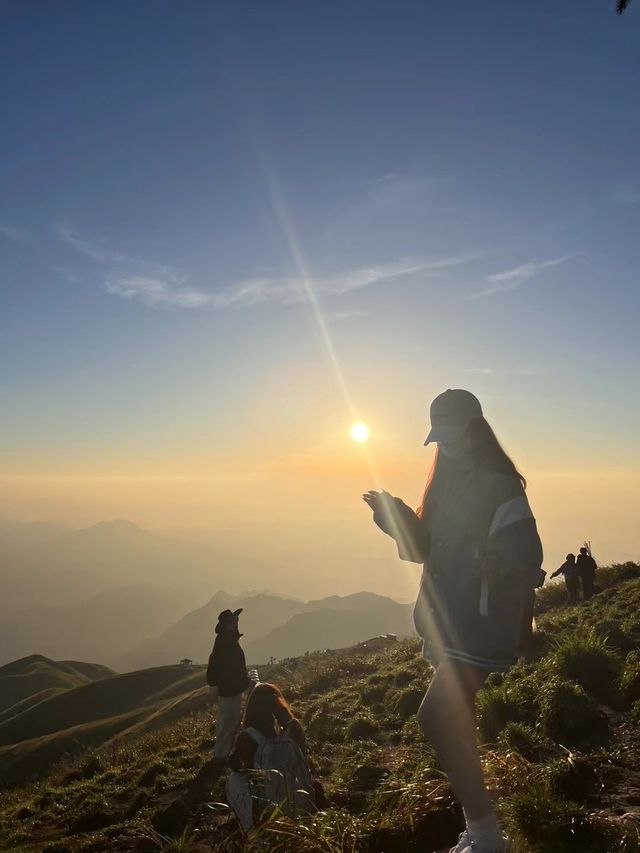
pixel 573 779
pixel 613 636
pixel 630 680
pixel 373 694
pixel 570 717
pixel 171 819
pixel 25 812
pixel 408 702
pixel 151 773
pixel 324 726
pixel 524 739
pixel 631 627
pixel 495 679
pixel 495 709
pixel 587 660
pixel 403 677
pixel 547 824
pixel 95 816
pixel 362 728
pixel 411 732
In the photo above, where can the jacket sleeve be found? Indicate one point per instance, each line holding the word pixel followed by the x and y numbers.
pixel 242 669
pixel 401 523
pixel 213 668
pixel 513 534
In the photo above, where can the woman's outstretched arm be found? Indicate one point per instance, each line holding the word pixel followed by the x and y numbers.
pixel 396 519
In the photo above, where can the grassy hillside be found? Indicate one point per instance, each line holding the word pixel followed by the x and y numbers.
pixel 561 750
pixel 93 701
pixel 67 722
pixel 29 676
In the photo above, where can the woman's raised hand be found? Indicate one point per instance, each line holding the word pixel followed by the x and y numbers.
pixel 383 505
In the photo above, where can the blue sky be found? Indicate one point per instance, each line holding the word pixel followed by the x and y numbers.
pixel 460 182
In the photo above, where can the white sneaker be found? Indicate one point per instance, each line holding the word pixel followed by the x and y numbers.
pixel 466 844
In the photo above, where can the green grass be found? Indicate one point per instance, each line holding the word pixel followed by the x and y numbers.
pixel 561 748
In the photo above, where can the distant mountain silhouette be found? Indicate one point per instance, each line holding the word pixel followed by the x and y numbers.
pixel 278 627
pixel 14 536
pixel 132 598
pixel 102 627
pixel 193 635
pixel 71 565
pixel 333 623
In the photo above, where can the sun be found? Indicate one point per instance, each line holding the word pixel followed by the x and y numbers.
pixel 359 432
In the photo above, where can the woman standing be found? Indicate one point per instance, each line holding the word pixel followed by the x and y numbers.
pixel 477 538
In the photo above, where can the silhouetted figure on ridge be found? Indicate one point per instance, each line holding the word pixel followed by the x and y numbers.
pixel 227 670
pixel 477 538
pixel 570 572
pixel 586 568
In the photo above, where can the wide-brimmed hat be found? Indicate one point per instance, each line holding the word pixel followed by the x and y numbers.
pixel 227 617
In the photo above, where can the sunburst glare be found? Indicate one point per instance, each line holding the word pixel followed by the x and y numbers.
pixel 359 432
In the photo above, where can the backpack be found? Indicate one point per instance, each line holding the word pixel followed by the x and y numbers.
pixel 283 774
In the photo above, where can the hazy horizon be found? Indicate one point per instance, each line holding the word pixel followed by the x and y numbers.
pixel 228 235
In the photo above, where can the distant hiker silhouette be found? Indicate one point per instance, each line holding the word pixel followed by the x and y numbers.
pixel 571 579
pixel 269 761
pixel 227 670
pixel 477 538
pixel 586 568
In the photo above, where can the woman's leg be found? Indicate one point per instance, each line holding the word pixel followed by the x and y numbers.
pixel 447 718
pixel 227 724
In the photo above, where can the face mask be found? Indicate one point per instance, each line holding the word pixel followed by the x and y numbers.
pixel 455 449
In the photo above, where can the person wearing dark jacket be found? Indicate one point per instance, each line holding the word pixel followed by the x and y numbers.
pixel 476 536
pixel 569 570
pixel 227 670
pixel 586 570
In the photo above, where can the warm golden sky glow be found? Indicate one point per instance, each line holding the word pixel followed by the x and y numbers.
pixel 226 262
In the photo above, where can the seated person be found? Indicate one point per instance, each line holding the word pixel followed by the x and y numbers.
pixel 269 760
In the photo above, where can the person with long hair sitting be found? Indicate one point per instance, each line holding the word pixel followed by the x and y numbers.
pixel 269 760
pixel 477 539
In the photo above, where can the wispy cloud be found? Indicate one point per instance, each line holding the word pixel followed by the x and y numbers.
pixel 161 286
pixel 94 249
pixel 17 235
pixel 512 279
pixel 170 289
pixel 158 292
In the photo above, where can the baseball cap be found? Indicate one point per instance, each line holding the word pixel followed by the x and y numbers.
pixel 451 413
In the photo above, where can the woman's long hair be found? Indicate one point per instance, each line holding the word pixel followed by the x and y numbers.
pixel 485 451
pixel 266 706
